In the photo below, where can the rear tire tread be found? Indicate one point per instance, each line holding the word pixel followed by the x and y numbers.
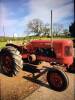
pixel 18 63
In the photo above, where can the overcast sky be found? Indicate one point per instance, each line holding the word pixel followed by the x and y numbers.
pixel 15 14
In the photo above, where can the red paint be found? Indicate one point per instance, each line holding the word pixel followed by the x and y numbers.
pixel 64 54
pixel 59 48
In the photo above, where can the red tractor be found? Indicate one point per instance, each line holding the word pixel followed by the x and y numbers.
pixel 57 52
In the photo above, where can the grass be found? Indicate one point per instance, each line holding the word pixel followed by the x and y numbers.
pixel 2 44
pixel 26 39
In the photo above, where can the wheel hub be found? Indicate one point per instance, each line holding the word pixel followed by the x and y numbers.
pixel 56 79
pixel 7 63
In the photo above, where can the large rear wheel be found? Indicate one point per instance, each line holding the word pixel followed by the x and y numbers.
pixel 57 79
pixel 10 61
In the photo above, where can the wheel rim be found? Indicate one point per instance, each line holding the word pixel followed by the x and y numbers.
pixel 56 80
pixel 7 63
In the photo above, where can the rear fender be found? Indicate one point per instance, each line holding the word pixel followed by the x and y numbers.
pixel 19 48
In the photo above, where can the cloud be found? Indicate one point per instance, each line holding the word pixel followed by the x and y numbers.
pixel 63 12
pixel 41 9
pixel 5 20
pixel 15 17
pixel 10 24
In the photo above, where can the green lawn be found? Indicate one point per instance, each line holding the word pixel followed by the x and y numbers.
pixel 17 41
pixel 2 44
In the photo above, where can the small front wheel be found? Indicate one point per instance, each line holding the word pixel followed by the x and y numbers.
pixel 57 79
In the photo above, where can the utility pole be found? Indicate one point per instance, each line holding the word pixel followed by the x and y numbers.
pixel 51 31
pixel 4 31
pixel 51 23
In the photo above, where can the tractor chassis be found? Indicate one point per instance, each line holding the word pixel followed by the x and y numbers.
pixel 52 73
pixel 36 71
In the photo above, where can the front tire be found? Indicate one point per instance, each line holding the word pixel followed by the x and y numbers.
pixel 11 61
pixel 57 79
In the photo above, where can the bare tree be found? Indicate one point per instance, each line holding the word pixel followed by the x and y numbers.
pixel 57 28
pixel 66 32
pixel 35 26
pixel 46 30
